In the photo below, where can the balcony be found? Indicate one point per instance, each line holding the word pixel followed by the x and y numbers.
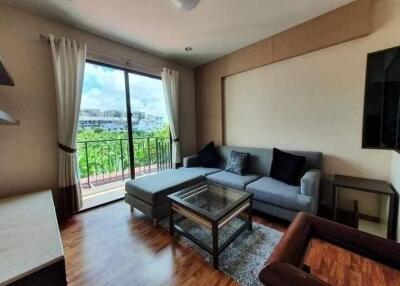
pixel 105 165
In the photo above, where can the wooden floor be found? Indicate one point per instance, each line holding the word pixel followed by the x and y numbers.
pixel 111 246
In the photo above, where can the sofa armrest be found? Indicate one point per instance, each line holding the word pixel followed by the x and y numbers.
pixel 294 242
pixel 310 182
pixel 191 161
pixel 285 274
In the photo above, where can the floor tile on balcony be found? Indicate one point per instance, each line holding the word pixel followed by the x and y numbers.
pixel 103 197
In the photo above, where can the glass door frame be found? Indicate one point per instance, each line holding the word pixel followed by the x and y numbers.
pixel 127 71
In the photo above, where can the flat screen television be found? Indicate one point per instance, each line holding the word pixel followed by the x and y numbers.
pixel 381 128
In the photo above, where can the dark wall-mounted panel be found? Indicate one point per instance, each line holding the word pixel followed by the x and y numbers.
pixel 382 100
pixel 5 77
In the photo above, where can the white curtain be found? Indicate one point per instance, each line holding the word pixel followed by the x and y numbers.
pixel 69 63
pixel 170 79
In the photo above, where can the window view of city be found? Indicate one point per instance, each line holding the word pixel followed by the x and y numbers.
pixel 103 141
pixel 115 120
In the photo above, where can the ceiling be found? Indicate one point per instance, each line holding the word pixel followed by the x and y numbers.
pixel 213 29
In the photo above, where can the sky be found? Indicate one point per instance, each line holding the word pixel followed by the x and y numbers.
pixel 104 89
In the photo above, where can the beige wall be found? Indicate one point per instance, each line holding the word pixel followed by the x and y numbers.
pixel 395 170
pixel 342 24
pixel 28 153
pixel 315 102
pixel 395 179
pixel 312 102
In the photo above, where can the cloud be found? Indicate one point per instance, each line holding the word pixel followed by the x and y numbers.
pixel 104 89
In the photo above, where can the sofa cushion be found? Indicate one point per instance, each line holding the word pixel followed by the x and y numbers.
pixel 261 158
pixel 232 180
pixel 237 162
pixel 287 167
pixel 191 161
pixel 153 189
pixel 208 155
pixel 277 193
pixel 201 171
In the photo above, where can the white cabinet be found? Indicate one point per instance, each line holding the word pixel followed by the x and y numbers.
pixel 31 251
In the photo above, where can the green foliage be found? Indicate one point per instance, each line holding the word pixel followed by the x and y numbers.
pixel 107 152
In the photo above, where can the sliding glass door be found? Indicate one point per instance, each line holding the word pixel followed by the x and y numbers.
pixel 123 129
pixel 150 128
pixel 103 128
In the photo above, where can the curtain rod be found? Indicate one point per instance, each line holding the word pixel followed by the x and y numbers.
pixel 126 61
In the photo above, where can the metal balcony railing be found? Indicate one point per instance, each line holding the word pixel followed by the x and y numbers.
pixel 107 161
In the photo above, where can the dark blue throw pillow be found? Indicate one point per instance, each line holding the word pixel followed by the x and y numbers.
pixel 287 167
pixel 237 162
pixel 208 155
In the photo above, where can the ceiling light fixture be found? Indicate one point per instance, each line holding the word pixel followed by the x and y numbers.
pixel 185 5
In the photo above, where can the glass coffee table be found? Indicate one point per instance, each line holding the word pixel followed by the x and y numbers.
pixel 210 215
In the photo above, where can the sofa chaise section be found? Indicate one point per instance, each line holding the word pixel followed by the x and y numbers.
pixel 201 171
pixel 148 193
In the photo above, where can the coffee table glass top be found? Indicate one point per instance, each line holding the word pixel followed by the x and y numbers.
pixel 210 198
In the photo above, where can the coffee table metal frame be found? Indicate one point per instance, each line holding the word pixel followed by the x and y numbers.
pixel 214 222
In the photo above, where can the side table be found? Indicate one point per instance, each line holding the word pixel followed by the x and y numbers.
pixel 369 186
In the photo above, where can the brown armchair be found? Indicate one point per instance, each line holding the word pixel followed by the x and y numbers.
pixel 286 263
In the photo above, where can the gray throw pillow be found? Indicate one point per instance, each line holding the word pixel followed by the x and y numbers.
pixel 238 162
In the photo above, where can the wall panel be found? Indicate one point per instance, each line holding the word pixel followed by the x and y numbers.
pixel 342 24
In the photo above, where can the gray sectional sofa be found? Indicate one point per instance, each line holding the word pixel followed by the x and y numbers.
pixel 148 194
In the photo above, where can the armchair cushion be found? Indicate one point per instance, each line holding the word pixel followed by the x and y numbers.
pixel 294 243
pixel 284 274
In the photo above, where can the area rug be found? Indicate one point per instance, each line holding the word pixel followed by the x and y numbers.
pixel 244 258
